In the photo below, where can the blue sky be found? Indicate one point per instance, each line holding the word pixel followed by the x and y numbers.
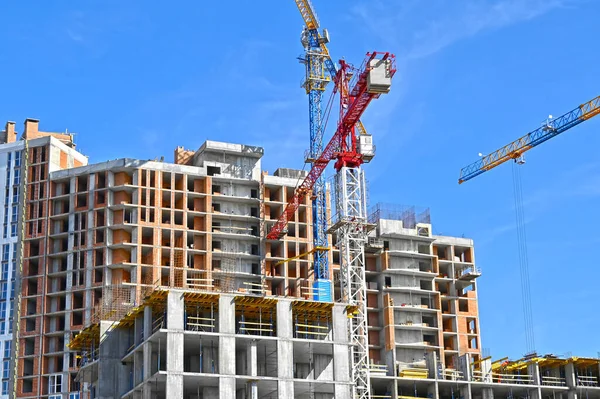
pixel 472 76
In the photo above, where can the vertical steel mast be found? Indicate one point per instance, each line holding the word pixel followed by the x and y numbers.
pixel 351 228
pixel 315 83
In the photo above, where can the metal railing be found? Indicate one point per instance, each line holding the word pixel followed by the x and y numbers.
pixel 554 381
pixel 587 381
pixel 503 378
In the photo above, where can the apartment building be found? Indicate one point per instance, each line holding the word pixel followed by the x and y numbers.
pixel 102 235
pixel 10 173
pixel 144 279
pixel 47 151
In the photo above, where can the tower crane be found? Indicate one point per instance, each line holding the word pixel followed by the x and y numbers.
pixel 320 69
pixel 515 150
pixel 357 89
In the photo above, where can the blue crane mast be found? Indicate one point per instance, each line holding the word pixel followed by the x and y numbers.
pixel 320 69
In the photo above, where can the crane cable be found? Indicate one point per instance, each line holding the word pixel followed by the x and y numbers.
pixel 523 256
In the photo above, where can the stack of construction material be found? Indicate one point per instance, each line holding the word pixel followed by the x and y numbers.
pixel 410 372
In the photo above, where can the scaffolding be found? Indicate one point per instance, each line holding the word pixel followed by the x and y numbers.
pixel 409 215
pixel 226 283
pixel 178 266
pixel 201 314
pixel 198 280
pixel 255 288
pixel 117 300
pixel 256 315
pixel 312 320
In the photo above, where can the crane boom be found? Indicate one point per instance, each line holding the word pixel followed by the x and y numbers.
pixel 311 21
pixel 362 94
pixel 514 150
pixel 308 14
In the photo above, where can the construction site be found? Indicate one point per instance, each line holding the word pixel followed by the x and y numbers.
pixel 208 277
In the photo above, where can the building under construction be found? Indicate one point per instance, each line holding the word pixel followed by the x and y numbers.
pixel 148 279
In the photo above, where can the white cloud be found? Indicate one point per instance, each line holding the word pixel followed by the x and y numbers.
pixel 407 25
pixel 76 37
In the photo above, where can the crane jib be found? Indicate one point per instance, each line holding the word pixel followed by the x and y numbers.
pixel 551 129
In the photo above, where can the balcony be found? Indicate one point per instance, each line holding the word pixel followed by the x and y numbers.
pixel 468 274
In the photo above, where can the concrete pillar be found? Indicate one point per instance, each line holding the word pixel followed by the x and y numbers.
pixel 284 319
pixel 226 314
pixel 487 393
pixel 175 345
pixel 341 352
pixel 533 370
pixel 227 346
pixel 112 378
pixel 147 359
pixel 486 370
pixel 285 350
pixel 340 324
pixel 434 369
pixel 571 380
pixel 465 391
pixel 252 359
pixel 464 366
pixel 252 390
pixel 147 348
pixel 226 387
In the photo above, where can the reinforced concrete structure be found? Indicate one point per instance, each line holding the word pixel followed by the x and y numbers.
pixel 28 162
pixel 147 279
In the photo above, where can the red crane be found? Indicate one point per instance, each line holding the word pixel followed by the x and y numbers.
pixel 343 146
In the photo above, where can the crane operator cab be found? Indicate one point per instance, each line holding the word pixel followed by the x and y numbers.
pixel 366 147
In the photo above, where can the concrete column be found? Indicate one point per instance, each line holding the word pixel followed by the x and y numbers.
pixel 147 348
pixel 486 370
pixel 252 359
pixel 341 352
pixel 341 370
pixel 465 391
pixel 434 369
pixel 112 378
pixel 226 387
pixel 285 350
pixel 487 393
pixel 284 319
pixel 464 366
pixel 340 324
pixel 252 390
pixel 227 346
pixel 175 343
pixel 226 314
pixel 147 322
pixel 571 380
pixel 533 370
pixel 147 388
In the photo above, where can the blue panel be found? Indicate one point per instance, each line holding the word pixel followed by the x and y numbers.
pixel 322 289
